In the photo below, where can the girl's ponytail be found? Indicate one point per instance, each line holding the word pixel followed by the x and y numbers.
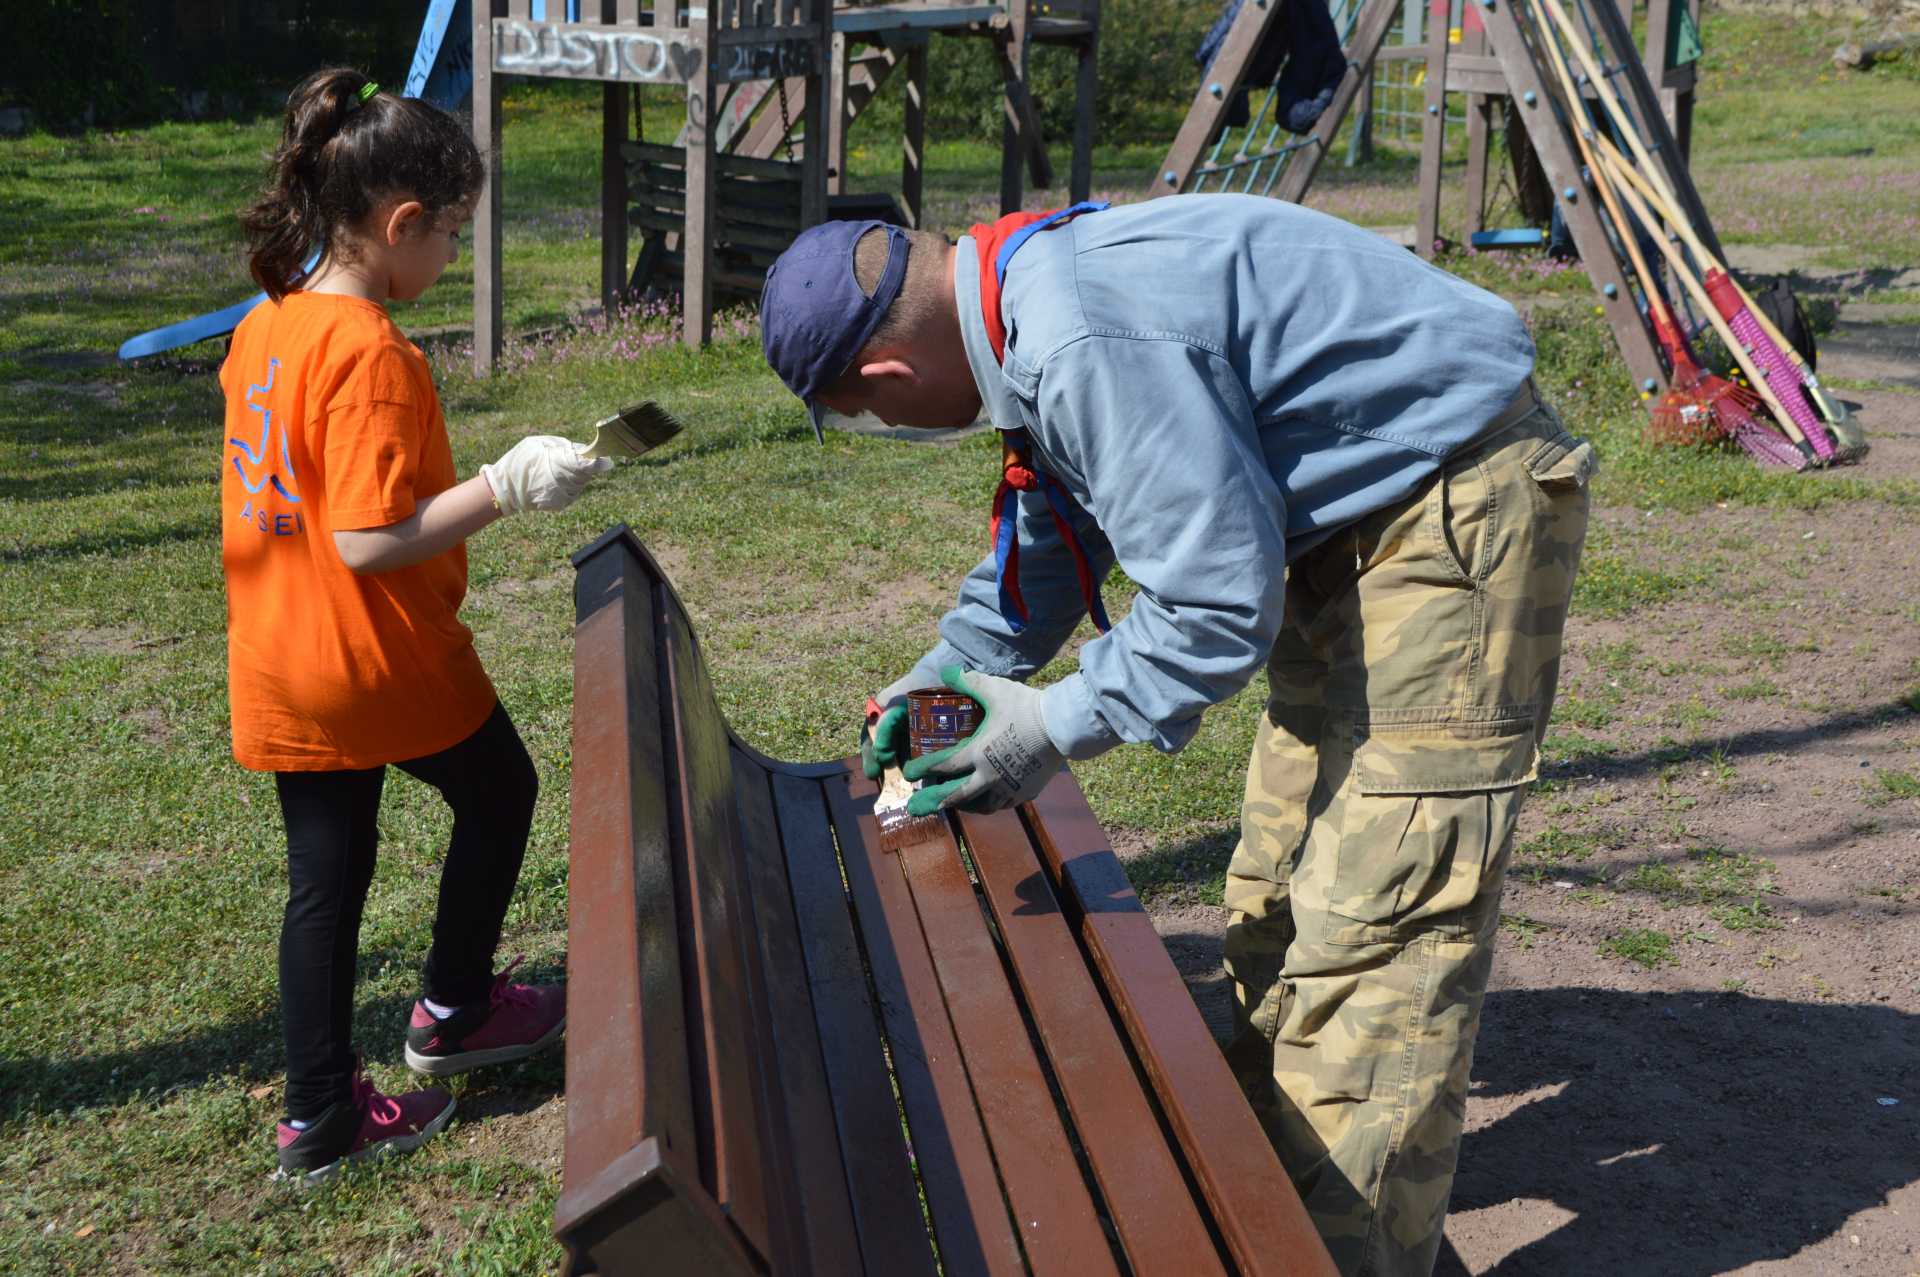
pixel 344 145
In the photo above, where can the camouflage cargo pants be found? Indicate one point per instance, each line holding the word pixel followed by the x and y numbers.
pixel 1410 689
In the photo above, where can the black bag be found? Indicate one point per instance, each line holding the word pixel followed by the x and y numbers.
pixel 1787 314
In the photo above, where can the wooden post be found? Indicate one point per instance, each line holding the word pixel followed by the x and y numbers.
pixel 913 148
pixel 839 119
pixel 1433 129
pixel 1086 83
pixel 1556 151
pixel 613 195
pixel 1473 42
pixel 486 214
pixel 614 127
pixel 815 108
pixel 1013 140
pixel 696 291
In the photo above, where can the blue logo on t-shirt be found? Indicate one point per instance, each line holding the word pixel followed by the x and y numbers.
pixel 261 455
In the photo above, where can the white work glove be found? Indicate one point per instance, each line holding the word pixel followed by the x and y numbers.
pixel 542 472
pixel 1007 761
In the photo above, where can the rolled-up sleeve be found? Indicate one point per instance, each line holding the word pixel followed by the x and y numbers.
pixel 1171 468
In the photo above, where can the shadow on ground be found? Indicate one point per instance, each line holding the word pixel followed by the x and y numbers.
pixel 1680 1134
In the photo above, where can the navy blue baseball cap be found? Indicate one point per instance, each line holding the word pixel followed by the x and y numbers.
pixel 814 316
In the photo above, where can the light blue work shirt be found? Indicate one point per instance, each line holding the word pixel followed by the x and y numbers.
pixel 1221 382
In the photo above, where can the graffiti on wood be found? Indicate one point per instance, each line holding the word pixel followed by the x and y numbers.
pixel 579 51
pixel 774 60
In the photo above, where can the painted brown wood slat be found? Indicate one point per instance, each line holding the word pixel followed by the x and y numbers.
pixel 620 892
pixel 719 995
pixel 963 1192
pixel 1046 1191
pixel 1160 1225
pixel 811 1217
pixel 1266 1228
pixel 878 1179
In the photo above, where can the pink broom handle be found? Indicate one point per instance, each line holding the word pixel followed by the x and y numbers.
pixel 1780 374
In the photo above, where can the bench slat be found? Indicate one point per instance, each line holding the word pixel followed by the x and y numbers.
pixel 727 1112
pixel 1158 1220
pixel 630 1075
pixel 970 1222
pixel 879 1178
pixel 807 1156
pixel 1266 1228
pixel 1046 1191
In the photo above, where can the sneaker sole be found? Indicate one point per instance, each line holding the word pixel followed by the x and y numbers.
pixel 373 1152
pixel 448 1065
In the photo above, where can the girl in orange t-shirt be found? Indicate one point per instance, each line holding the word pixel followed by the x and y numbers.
pixel 343 529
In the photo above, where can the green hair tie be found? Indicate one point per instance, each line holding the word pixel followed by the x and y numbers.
pixel 369 89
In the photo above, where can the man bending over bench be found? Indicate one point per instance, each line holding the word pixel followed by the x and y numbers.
pixel 1310 449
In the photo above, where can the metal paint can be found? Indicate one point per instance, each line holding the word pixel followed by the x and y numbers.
pixel 937 718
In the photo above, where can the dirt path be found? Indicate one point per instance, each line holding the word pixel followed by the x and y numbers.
pixel 1734 796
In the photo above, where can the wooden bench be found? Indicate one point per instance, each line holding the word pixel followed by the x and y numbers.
pixel 789 1052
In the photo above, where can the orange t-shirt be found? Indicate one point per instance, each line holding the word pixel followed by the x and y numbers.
pixel 333 423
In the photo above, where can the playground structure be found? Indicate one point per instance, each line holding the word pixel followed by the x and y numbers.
pixel 772 89
pixel 740 180
pixel 1492 52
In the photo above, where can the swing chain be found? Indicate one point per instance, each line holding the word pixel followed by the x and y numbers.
pixel 786 119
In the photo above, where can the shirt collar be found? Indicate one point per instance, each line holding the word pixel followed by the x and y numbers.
pixel 1001 404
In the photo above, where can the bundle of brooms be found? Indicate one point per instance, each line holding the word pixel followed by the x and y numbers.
pixel 1782 416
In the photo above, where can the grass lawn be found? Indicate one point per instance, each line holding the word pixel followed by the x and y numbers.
pixel 141 871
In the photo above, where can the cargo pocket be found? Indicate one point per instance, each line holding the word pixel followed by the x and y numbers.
pixel 1426 815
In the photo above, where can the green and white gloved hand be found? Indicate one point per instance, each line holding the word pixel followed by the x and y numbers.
pixel 883 739
pixel 1007 761
pixel 541 472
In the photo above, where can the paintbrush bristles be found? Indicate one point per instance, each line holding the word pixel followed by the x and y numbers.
pixel 649 422
pixel 899 827
pixel 633 431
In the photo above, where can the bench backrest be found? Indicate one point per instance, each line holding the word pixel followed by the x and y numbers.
pixel 791 1052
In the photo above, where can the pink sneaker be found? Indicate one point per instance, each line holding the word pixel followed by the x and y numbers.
pixel 515 1021
pixel 367 1125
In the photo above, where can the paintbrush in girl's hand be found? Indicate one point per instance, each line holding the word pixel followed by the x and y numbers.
pixel 635 429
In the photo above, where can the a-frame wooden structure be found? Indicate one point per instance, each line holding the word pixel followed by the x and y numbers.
pixel 1499 55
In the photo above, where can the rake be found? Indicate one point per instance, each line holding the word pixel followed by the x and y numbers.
pixel 1697 407
pixel 1764 445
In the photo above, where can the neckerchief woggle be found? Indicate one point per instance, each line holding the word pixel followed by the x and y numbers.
pixel 995 245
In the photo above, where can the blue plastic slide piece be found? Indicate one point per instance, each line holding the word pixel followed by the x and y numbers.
pixel 188 331
pixel 1507 239
pixel 442 70
pixel 442 73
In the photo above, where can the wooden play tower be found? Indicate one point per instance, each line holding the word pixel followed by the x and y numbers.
pixel 765 80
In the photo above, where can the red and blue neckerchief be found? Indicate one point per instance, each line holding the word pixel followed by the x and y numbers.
pixel 996 244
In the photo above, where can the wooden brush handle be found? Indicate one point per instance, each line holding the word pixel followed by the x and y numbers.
pixel 1577 117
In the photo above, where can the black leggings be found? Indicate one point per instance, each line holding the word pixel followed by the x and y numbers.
pixel 332 833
